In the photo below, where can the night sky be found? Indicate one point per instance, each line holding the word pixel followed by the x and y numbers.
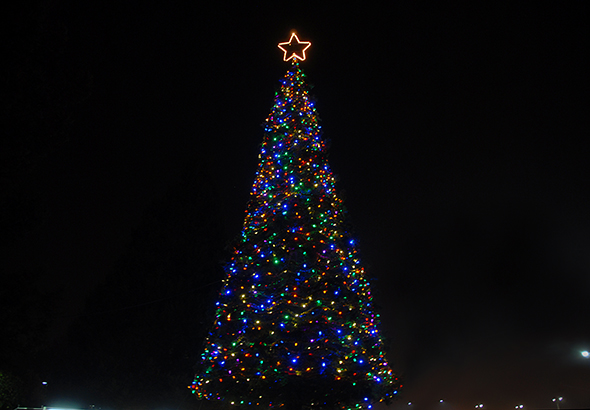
pixel 459 136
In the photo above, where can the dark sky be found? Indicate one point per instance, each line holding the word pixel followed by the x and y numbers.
pixel 459 136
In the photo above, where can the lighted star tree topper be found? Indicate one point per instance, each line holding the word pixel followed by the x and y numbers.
pixel 294 324
pixel 294 49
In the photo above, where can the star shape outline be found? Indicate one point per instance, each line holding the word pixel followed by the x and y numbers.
pixel 295 54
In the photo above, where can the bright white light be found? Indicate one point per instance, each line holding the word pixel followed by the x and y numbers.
pixel 441 400
pixel 58 408
pixel 586 354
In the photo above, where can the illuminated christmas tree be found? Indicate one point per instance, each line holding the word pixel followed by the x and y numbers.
pixel 295 324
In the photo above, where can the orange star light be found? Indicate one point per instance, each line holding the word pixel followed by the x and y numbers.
pixel 296 48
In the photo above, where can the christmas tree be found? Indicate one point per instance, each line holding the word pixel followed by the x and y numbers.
pixel 294 323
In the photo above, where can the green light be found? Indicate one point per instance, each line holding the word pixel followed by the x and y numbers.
pixel 262 292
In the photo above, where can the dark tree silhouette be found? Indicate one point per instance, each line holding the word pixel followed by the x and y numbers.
pixel 135 342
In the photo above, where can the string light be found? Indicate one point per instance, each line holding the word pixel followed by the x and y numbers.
pixel 295 307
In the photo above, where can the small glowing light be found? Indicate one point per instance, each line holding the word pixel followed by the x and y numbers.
pixel 44 383
pixel 441 400
pixel 585 354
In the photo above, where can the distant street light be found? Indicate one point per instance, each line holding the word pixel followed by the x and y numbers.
pixel 557 400
pixel 585 354
pixel 519 406
pixel 479 406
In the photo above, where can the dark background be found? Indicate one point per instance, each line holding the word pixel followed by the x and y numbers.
pixel 459 135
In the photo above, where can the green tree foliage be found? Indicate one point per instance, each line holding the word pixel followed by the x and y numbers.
pixel 11 390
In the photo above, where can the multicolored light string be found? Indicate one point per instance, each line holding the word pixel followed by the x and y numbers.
pixel 295 311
